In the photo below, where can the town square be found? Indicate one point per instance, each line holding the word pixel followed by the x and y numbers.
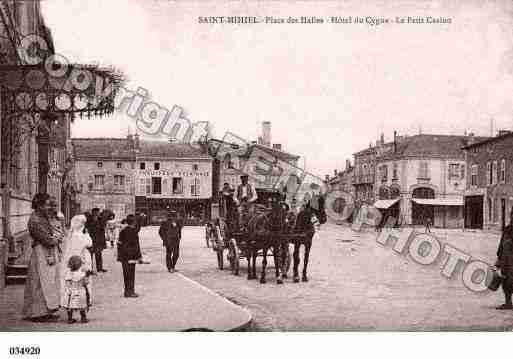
pixel 249 166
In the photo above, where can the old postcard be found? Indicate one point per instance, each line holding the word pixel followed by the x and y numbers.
pixel 255 166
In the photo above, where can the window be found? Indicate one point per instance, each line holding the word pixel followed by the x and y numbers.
pixel 488 173
pixel 99 181
pixel 494 172
pixel 228 161
pixel 142 186
pixel 177 185
pixel 156 166
pixel 142 165
pixel 119 180
pixel 99 164
pixel 423 170
pixel 194 167
pixel 462 171
pixel 490 209
pixel 148 185
pixel 156 185
pixel 503 171
pixel 195 187
pixel 119 165
pixel 384 173
pixel 454 171
pixel 473 175
pixel 394 171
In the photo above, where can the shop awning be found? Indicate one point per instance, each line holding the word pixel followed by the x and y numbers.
pixel 458 201
pixel 385 203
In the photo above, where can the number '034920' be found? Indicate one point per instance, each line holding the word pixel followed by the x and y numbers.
pixel 24 350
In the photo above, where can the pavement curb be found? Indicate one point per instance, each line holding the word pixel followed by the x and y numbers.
pixel 241 327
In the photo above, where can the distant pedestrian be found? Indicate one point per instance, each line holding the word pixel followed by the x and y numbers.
pixel 76 295
pixel 171 233
pixel 428 225
pixel 111 228
pixel 505 262
pixel 129 253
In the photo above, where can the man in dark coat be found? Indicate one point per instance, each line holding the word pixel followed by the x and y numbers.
pixel 129 253
pixel 99 239
pixel 505 262
pixel 171 232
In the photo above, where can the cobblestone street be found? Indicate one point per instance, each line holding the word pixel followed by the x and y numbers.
pixel 357 284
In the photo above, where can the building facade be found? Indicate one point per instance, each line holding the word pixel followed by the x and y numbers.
pixel 423 179
pixel 104 173
pixel 173 176
pixel 489 186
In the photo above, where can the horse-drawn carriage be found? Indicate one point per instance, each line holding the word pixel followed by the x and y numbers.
pixel 269 227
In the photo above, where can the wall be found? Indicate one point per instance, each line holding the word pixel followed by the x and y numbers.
pixel 120 199
pixel 179 168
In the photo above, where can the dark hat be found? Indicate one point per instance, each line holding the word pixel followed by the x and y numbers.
pixel 244 176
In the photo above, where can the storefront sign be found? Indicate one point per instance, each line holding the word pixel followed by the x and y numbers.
pixel 166 173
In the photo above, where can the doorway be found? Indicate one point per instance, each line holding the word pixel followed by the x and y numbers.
pixel 420 212
pixel 474 212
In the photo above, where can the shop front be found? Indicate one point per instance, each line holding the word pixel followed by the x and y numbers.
pixel 194 212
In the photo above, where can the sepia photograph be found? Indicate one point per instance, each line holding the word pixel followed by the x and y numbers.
pixel 174 166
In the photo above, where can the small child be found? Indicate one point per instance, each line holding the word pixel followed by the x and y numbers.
pixel 76 295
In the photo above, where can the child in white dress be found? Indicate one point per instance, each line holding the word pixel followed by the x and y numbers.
pixel 76 295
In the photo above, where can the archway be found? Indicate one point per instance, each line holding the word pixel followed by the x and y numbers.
pixel 420 212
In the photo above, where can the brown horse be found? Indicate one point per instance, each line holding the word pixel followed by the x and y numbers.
pixel 265 232
pixel 304 230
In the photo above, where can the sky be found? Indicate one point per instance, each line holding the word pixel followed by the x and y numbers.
pixel 328 89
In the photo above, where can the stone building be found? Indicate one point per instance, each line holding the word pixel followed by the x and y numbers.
pixel 423 178
pixel 35 116
pixel 267 165
pixel 174 176
pixel 364 173
pixel 489 184
pixel 104 174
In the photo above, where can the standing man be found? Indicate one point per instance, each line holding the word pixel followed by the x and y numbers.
pixel 129 253
pixel 171 232
pixel 96 229
pixel 505 262
pixel 246 195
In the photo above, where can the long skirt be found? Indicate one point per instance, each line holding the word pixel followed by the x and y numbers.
pixel 42 288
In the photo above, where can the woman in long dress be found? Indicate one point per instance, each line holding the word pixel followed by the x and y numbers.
pixel 42 292
pixel 76 244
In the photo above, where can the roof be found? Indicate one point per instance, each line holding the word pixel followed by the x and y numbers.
pixel 486 140
pixel 244 151
pixel 427 145
pixel 120 148
pixel 169 150
pixel 115 148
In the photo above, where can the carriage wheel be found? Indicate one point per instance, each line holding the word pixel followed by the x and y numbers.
pixel 220 262
pixel 234 257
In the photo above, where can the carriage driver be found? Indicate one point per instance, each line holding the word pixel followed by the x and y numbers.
pixel 246 196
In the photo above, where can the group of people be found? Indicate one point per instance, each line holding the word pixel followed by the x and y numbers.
pixel 61 264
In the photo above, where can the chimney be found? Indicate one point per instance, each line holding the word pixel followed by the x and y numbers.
pixel 136 141
pixel 382 138
pixel 395 141
pixel 471 138
pixel 348 164
pixel 130 141
pixel 327 178
pixel 335 173
pixel 277 146
pixel 266 133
